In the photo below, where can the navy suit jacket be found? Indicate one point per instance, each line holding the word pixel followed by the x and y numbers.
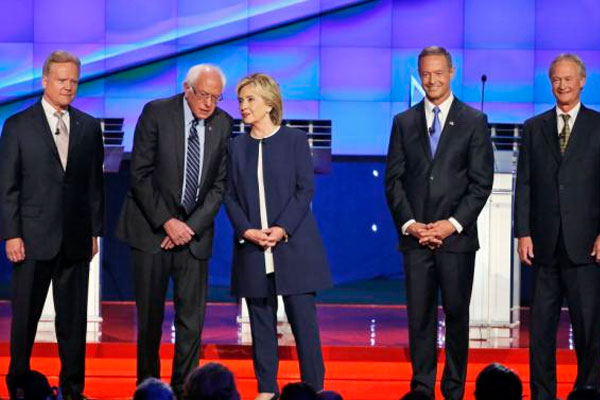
pixel 455 183
pixel 46 206
pixel 301 263
pixel 554 190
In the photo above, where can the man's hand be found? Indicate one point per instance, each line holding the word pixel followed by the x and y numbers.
pixel 178 231
pixel 94 247
pixel 257 236
pixel 416 229
pixel 436 233
pixel 596 249
pixel 275 234
pixel 167 243
pixel 525 249
pixel 421 232
pixel 15 250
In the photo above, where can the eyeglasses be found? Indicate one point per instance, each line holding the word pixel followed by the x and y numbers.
pixel 202 95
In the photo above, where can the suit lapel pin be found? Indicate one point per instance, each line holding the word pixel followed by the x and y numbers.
pixel 451 123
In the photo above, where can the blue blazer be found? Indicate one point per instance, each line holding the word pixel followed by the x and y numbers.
pixel 301 263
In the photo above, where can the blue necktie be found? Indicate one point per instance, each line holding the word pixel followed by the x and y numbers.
pixel 435 131
pixel 192 169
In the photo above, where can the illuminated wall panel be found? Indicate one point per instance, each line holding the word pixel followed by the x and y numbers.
pixel 68 21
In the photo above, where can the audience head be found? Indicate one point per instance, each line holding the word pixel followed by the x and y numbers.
pixel 329 395
pixel 584 393
pixel 497 382
pixel 416 395
pixel 298 391
pixel 213 381
pixel 153 389
pixel 32 385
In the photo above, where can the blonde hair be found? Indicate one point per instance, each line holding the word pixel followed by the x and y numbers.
pixel 268 89
pixel 60 56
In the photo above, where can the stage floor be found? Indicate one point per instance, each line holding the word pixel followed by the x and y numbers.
pixel 365 349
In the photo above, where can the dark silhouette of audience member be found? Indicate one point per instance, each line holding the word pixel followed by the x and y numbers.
pixel 497 382
pixel 213 381
pixel 298 391
pixel 329 395
pixel 32 385
pixel 416 395
pixel 584 393
pixel 153 389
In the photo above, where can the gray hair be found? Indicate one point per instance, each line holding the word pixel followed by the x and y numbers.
pixel 568 57
pixel 195 71
pixel 60 56
pixel 435 51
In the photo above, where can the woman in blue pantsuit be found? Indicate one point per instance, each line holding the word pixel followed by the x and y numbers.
pixel 278 249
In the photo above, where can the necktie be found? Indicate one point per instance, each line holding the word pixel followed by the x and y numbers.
pixel 192 169
pixel 565 133
pixel 435 131
pixel 62 139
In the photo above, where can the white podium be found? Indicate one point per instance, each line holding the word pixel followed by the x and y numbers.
pixel 494 309
pixel 46 332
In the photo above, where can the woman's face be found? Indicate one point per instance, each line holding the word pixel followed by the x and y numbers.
pixel 253 108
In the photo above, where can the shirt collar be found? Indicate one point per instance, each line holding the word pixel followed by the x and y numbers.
pixel 444 107
pixel 573 113
pixel 49 110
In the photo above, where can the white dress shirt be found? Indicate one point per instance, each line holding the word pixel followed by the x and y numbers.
pixel 49 110
pixel 573 113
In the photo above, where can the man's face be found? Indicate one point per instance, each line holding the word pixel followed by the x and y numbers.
pixel 567 84
pixel 60 84
pixel 203 96
pixel 435 75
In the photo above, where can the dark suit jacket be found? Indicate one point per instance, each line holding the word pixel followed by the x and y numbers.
pixel 553 190
pixel 456 183
pixel 39 201
pixel 157 166
pixel 301 263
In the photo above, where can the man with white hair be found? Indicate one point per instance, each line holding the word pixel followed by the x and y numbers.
pixel 178 171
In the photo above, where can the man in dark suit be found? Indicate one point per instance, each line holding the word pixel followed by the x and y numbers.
pixel 557 221
pixel 178 173
pixel 51 210
pixel 439 175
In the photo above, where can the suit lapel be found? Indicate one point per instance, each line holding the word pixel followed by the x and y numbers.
pixel 74 132
pixel 452 123
pixel 178 136
pixel 209 143
pixel 578 132
pixel 421 124
pixel 44 129
pixel 551 134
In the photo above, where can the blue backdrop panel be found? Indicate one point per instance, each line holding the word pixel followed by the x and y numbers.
pixel 68 21
pixel 17 25
pixel 500 24
pixel 573 25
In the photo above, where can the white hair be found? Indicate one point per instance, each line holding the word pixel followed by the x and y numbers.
pixel 195 71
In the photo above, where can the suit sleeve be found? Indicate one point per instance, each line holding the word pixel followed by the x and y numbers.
pixel 204 215
pixel 395 169
pixel 299 203
pixel 10 182
pixel 523 185
pixel 143 162
pixel 480 174
pixel 236 214
pixel 97 183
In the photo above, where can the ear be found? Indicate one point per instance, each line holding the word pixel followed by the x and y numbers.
pixel 452 72
pixel 44 81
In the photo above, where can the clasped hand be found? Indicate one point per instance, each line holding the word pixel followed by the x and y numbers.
pixel 433 234
pixel 265 238
pixel 178 234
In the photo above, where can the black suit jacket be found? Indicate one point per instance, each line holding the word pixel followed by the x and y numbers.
pixel 456 183
pixel 157 165
pixel 39 201
pixel 555 190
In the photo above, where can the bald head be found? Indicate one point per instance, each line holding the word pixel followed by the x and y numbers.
pixel 203 88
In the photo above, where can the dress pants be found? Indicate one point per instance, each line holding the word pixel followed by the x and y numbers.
pixel 30 284
pixel 152 273
pixel 580 284
pixel 452 273
pixel 301 311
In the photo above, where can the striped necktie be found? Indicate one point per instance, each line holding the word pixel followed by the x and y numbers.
pixel 192 169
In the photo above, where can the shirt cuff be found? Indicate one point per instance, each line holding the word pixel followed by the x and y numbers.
pixel 406 225
pixel 456 224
